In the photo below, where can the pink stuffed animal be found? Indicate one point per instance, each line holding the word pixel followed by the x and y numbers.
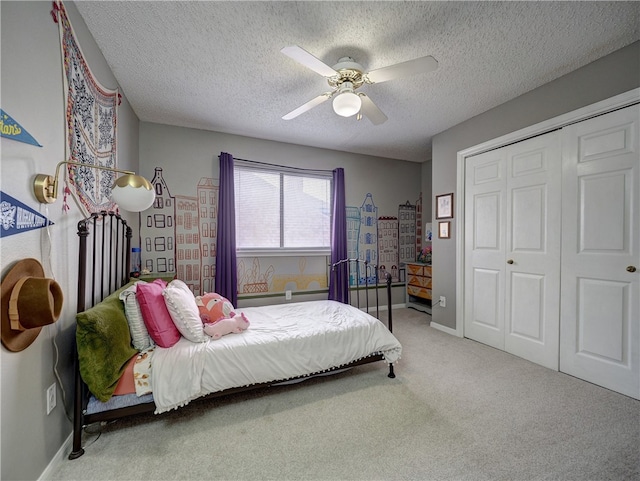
pixel 237 323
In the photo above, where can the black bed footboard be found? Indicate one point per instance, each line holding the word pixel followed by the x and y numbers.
pixel 360 276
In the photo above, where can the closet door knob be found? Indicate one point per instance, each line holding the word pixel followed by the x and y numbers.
pixel 510 261
pixel 631 268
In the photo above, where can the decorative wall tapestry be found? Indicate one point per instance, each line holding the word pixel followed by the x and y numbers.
pixel 16 217
pixel 11 129
pixel 91 111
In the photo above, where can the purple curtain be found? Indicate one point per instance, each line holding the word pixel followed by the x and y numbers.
pixel 339 278
pixel 226 271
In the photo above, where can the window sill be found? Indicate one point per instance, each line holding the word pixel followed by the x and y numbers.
pixel 283 252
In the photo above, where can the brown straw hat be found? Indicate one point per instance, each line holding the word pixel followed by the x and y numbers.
pixel 29 301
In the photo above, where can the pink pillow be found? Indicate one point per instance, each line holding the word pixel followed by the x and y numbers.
pixel 155 314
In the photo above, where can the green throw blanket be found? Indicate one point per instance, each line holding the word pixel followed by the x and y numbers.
pixel 104 345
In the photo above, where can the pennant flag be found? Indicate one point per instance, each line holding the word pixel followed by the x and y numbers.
pixel 11 129
pixel 15 217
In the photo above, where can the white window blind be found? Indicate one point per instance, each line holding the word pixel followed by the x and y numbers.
pixel 282 209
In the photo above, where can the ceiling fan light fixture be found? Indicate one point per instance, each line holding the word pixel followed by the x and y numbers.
pixel 346 103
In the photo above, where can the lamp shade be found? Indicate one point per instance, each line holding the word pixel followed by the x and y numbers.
pixel 347 104
pixel 133 193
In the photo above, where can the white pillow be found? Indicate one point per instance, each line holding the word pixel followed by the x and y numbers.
pixel 139 335
pixel 182 307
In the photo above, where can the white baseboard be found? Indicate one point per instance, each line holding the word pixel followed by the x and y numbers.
pixel 58 459
pixel 446 329
pixel 382 308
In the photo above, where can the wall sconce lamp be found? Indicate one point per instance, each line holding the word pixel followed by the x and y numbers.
pixel 130 191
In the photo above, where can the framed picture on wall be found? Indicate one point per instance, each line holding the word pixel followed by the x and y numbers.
pixel 444 230
pixel 444 206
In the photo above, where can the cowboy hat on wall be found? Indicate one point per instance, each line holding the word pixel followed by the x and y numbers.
pixel 29 302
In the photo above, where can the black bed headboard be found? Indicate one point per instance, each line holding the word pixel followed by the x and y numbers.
pixel 104 255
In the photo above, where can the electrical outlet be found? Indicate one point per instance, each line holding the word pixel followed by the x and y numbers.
pixel 51 397
pixel 287 295
pixel 443 301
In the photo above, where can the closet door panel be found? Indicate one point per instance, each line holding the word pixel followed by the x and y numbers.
pixel 600 332
pixel 527 310
pixel 487 299
pixel 528 224
pixel 533 249
pixel 605 233
pixel 484 248
pixel 603 320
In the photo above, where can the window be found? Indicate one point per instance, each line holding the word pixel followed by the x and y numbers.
pixel 282 209
pixel 162 264
pixel 159 220
pixel 159 244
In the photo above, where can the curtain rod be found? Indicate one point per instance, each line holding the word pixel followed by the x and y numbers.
pixel 282 166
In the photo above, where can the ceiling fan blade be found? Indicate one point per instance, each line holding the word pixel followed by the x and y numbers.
pixel 371 110
pixel 403 69
pixel 303 57
pixel 308 106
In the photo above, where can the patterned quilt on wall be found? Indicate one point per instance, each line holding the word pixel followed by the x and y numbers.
pixel 91 112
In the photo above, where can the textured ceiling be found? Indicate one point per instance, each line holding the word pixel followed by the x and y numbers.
pixel 217 65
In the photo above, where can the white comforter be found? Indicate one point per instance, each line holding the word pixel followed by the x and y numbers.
pixel 283 341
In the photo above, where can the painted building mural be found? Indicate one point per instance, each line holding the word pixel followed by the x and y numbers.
pixel 406 232
pixel 158 230
pixel 207 195
pixel 178 235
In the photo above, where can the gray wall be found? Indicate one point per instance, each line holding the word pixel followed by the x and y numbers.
pixel 611 75
pixel 32 93
pixel 185 155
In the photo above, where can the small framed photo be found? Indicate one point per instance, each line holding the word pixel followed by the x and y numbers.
pixel 444 206
pixel 444 230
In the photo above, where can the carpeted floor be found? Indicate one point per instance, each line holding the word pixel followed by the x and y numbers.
pixel 458 410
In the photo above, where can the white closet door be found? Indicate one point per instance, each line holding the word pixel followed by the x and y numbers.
pixel 600 332
pixel 485 219
pixel 512 251
pixel 532 281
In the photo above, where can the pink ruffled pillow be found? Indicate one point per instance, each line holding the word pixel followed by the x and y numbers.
pixel 214 307
pixel 155 314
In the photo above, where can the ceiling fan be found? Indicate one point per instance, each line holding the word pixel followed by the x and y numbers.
pixel 347 76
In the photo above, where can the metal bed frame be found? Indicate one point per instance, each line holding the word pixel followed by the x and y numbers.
pixel 103 268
